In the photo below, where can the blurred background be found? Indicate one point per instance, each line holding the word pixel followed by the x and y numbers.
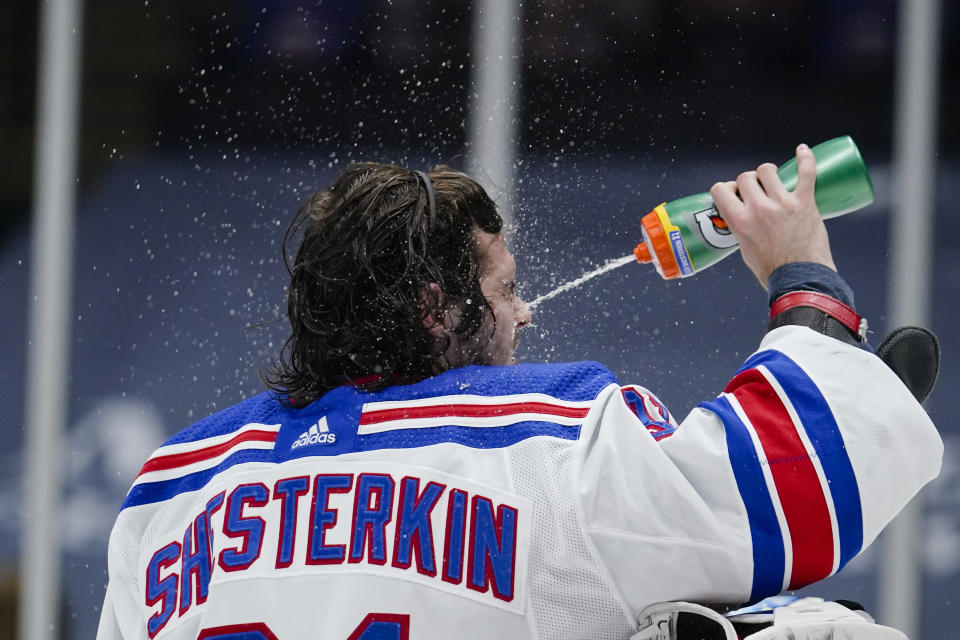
pixel 202 125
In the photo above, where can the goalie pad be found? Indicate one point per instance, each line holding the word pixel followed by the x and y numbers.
pixel 801 619
pixel 913 353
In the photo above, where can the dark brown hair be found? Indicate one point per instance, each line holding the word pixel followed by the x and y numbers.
pixel 359 285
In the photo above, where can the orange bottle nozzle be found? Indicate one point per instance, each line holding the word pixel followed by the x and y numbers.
pixel 642 253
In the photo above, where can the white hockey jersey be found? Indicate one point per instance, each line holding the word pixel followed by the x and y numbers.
pixel 533 501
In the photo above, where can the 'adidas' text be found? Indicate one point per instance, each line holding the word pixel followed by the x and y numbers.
pixel 317 434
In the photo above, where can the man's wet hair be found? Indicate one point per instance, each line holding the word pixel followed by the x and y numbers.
pixel 359 289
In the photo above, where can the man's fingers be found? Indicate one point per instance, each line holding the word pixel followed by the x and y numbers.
pixel 770 180
pixel 749 187
pixel 806 172
pixel 724 196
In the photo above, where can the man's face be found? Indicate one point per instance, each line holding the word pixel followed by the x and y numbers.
pixel 497 282
pixel 497 339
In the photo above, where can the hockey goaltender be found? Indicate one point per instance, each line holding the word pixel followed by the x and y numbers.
pixel 404 478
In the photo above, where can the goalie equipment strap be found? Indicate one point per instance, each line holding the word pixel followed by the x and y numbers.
pixel 826 304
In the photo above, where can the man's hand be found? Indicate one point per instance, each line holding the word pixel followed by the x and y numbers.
pixel 775 226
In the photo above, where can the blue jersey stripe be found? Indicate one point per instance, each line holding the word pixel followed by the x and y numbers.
pixel 769 555
pixel 827 441
pixel 263 408
pixel 474 437
pixel 149 492
pixel 576 381
pixel 341 407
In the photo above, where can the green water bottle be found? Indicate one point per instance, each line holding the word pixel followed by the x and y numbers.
pixel 684 236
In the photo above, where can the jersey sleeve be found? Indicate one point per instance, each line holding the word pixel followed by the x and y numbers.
pixel 811 449
pixel 109 628
pixel 120 616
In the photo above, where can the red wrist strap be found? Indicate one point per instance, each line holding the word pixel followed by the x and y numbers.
pixel 830 306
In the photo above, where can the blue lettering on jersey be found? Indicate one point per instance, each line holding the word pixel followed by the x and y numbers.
pixel 382 626
pixel 471 527
pixel 196 563
pixel 453 542
pixel 370 520
pixel 322 517
pixel 288 491
pixel 242 631
pixel 162 591
pixel 248 528
pixel 213 505
pixel 493 543
pixel 413 525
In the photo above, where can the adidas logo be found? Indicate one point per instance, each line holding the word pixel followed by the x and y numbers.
pixel 317 434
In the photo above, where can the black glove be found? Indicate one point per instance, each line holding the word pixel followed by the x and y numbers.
pixel 914 355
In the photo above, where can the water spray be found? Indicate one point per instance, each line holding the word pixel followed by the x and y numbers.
pixel 609 265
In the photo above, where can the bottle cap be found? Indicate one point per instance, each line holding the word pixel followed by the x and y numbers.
pixel 657 245
pixel 642 253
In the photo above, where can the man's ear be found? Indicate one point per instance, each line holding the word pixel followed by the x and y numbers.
pixel 432 302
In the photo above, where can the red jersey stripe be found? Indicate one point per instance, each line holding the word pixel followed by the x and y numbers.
pixel 794 475
pixel 471 411
pixel 162 463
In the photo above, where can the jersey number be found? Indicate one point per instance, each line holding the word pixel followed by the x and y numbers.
pixel 376 626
